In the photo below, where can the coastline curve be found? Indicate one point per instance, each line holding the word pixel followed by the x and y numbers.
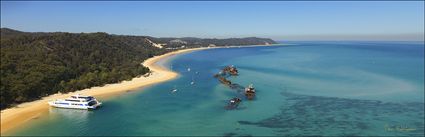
pixel 12 118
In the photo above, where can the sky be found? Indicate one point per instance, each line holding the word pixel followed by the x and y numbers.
pixel 279 20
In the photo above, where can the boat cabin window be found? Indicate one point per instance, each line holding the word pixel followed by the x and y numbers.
pixel 91 103
pixel 76 104
pixel 87 98
pixel 72 100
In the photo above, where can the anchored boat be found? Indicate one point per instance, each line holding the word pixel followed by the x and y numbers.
pixel 76 102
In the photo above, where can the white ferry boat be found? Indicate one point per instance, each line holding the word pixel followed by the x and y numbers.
pixel 76 102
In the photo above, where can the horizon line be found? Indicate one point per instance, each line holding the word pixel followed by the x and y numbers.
pixel 270 37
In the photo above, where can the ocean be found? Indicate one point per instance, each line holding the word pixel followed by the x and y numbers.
pixel 326 88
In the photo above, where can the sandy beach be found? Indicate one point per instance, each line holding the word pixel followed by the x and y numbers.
pixel 13 117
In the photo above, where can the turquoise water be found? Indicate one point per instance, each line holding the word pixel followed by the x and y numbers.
pixel 308 88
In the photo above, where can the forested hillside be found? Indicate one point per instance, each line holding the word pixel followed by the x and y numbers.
pixel 34 65
pixel 198 42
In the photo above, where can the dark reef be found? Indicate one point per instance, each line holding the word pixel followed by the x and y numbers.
pixel 315 115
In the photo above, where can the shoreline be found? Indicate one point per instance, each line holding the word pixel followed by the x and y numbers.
pixel 12 118
pixel 25 112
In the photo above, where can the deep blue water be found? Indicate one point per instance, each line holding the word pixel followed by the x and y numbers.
pixel 303 88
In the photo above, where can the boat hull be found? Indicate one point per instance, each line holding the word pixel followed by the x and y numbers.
pixel 75 106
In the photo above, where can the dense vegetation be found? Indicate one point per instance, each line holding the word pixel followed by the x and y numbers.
pixel 198 42
pixel 34 65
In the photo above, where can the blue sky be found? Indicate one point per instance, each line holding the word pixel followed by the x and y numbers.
pixel 338 20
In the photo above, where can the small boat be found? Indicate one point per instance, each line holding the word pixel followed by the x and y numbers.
pixel 76 102
pixel 193 81
pixel 250 92
pixel 188 69
pixel 174 90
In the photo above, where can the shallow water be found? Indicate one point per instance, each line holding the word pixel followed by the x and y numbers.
pixel 309 88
